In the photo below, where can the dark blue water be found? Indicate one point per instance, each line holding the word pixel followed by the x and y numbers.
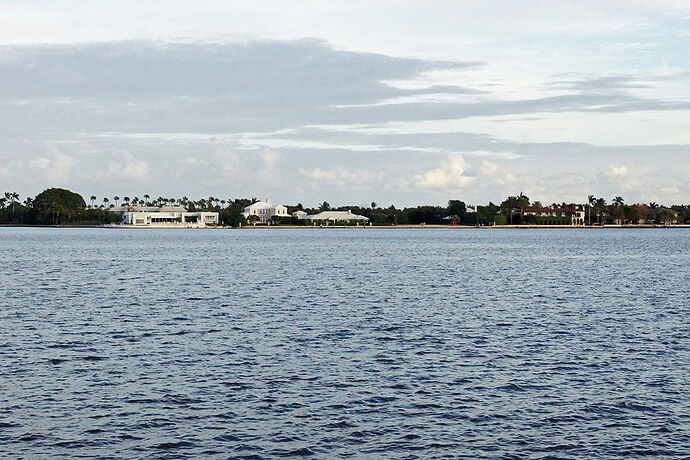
pixel 344 343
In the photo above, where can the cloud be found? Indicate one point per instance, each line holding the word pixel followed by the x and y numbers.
pixel 56 166
pixel 488 168
pixel 229 162
pixel 128 169
pixel 623 178
pixel 449 175
pixel 238 86
pixel 617 171
pixel 320 175
pixel 279 113
pixel 269 160
pixel 342 177
pixel 193 161
pixel 40 163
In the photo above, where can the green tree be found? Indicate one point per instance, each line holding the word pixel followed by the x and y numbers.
pixel 457 208
pixel 56 205
pixel 325 206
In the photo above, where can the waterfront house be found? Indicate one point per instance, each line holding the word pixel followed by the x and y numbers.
pixel 334 217
pixel 574 214
pixel 166 216
pixel 264 210
pixel 299 215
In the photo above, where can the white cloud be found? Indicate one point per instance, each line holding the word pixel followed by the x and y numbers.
pixel 56 166
pixel 269 161
pixel 128 169
pixel 488 168
pixel 269 158
pixel 320 175
pixel 228 162
pixel 623 178
pixel 40 163
pixel 617 171
pixel 193 161
pixel 342 177
pixel 448 176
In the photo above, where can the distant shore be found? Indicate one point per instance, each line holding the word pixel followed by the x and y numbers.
pixel 386 227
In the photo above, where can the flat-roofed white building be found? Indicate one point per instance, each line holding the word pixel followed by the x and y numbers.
pixel 264 210
pixel 167 217
pixel 299 215
pixel 337 216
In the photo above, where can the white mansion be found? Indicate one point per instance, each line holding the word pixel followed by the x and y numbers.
pixel 264 210
pixel 165 216
pixel 332 217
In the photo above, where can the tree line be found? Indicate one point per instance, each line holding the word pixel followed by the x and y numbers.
pixel 57 206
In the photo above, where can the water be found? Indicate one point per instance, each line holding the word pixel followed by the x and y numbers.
pixel 344 343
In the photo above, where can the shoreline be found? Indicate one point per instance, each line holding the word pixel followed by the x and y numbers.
pixel 386 227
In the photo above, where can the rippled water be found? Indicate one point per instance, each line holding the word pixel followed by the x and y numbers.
pixel 344 343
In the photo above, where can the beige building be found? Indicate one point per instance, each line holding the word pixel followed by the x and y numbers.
pixel 575 213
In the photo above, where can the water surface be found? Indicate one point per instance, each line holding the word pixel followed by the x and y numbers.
pixel 344 343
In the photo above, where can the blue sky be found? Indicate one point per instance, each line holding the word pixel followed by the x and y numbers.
pixel 397 102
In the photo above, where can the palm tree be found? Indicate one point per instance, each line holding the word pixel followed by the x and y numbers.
pixel 146 197
pixel 93 199
pixel 601 204
pixel 115 198
pixel 126 200
pixel 618 201
pixel 28 202
pixel 105 202
pixel 653 205
pixel 14 197
pixel 592 201
pixel 3 201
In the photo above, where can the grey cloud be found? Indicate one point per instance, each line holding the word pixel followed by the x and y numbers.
pixel 145 86
pixel 230 86
pixel 612 83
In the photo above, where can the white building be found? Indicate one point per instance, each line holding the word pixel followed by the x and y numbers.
pixel 337 216
pixel 264 210
pixel 167 217
pixel 299 215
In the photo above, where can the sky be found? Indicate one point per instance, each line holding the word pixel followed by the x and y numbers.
pixel 395 102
